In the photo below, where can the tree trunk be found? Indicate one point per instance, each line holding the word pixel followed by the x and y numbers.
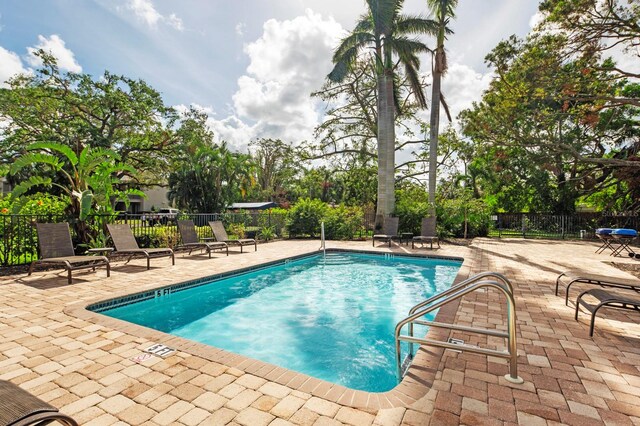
pixel 390 141
pixel 386 148
pixel 433 133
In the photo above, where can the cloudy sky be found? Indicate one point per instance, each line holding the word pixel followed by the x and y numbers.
pixel 251 64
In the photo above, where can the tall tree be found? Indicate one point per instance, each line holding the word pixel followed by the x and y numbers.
pixel 443 10
pixel 386 32
pixel 78 110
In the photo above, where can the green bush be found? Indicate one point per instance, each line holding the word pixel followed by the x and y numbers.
pixel 451 214
pixel 411 207
pixel 343 223
pixel 305 216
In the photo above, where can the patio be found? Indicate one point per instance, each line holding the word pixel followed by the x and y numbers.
pixel 81 362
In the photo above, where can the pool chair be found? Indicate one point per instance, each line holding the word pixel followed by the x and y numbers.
pixel 126 244
pixel 571 277
pixel 56 249
pixel 220 235
pixel 605 300
pixel 623 237
pixel 190 240
pixel 427 233
pixel 389 229
pixel 19 408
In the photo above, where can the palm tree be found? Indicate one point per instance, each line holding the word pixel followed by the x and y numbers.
pixel 443 10
pixel 385 31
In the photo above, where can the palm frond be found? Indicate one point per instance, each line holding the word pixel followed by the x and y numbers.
pixel 443 7
pixel 26 185
pixel 57 147
pixel 416 25
pixel 31 158
pixel 357 40
pixel 342 67
pixel 446 107
pixel 413 77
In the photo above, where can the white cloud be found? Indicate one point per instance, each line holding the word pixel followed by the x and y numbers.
pixel 55 46
pixel 461 86
pixel 536 19
pixel 147 13
pixel 240 26
pixel 289 61
pixel 10 65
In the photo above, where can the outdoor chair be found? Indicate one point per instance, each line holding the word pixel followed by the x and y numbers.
pixel 389 229
pixel 19 408
pixel 427 233
pixel 126 244
pixel 220 235
pixel 190 240
pixel 605 299
pixel 56 249
pixel 574 276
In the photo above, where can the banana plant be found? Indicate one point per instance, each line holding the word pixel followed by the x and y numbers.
pixel 89 179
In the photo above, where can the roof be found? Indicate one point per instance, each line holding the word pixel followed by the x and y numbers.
pixel 253 206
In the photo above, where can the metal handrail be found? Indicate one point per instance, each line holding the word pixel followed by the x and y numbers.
pixel 452 290
pixel 456 292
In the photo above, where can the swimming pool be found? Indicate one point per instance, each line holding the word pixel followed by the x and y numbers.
pixel 331 317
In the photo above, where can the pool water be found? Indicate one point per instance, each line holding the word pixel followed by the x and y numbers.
pixel 329 317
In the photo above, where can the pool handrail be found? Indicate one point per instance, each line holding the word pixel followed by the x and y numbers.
pixel 456 292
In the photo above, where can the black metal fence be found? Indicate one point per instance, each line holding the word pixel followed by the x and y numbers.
pixel 18 239
pixel 575 226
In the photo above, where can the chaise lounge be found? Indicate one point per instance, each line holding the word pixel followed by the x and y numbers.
pixel 56 249
pixel 606 300
pixel 126 244
pixel 190 240
pixel 427 233
pixel 574 276
pixel 19 408
pixel 389 229
pixel 221 236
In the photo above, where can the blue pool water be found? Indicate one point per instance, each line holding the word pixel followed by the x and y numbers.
pixel 332 318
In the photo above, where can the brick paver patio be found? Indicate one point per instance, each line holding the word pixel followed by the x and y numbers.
pixel 80 361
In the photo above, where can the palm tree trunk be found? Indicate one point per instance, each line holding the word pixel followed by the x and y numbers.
pixel 386 147
pixel 434 128
pixel 382 156
pixel 390 140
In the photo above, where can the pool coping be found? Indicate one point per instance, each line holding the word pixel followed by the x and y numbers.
pixel 415 384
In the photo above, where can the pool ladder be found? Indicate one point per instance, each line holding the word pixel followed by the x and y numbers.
pixel 477 282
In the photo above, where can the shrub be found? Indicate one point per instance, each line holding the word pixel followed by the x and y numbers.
pixel 267 233
pixel 342 223
pixel 237 229
pixel 305 216
pixel 451 215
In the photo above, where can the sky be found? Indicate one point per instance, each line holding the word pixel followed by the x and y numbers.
pixel 250 64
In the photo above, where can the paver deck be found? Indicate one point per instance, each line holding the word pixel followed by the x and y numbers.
pixel 81 361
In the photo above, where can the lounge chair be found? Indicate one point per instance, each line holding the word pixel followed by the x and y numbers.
pixel 605 299
pixel 56 249
pixel 190 240
pixel 427 233
pixel 19 408
pixel 126 244
pixel 220 235
pixel 574 276
pixel 389 229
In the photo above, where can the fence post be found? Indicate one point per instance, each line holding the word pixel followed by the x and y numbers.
pixel 524 226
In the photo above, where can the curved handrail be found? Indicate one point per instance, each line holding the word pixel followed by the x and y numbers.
pixel 459 291
pixel 464 283
pixel 453 289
